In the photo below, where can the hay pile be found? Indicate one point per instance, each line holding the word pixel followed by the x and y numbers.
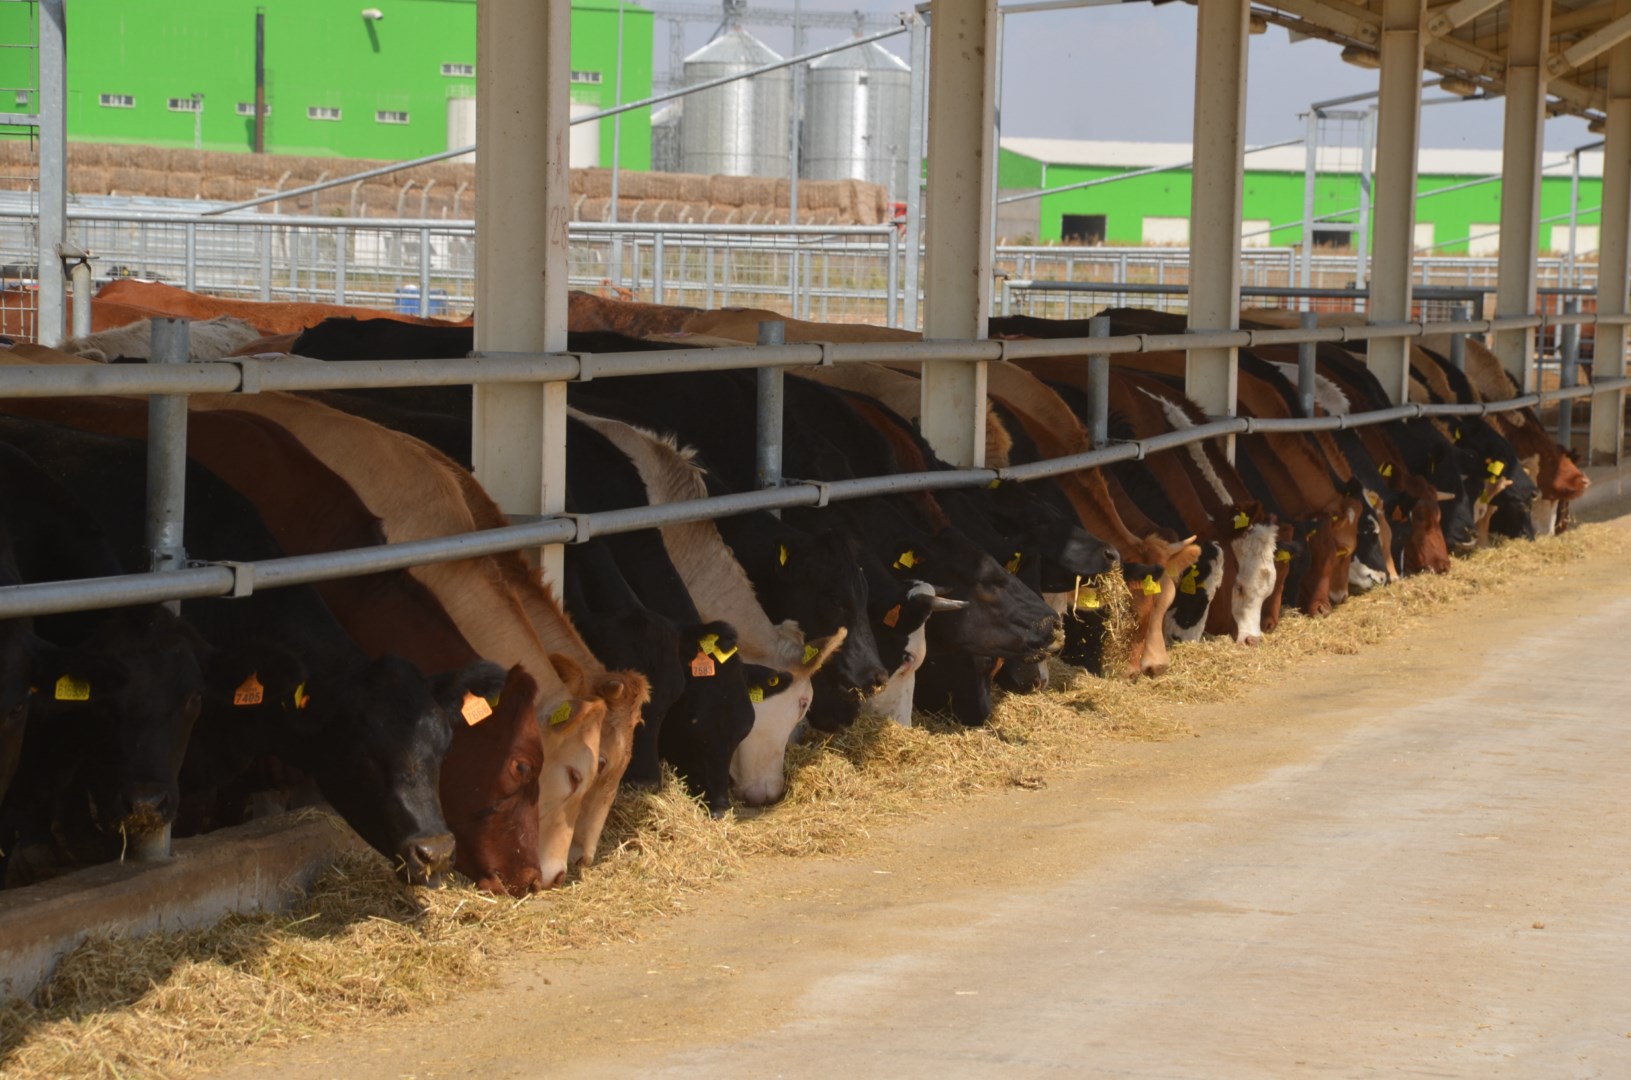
pixel 360 946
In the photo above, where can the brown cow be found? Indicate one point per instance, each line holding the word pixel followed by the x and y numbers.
pixel 156 298
pixel 489 782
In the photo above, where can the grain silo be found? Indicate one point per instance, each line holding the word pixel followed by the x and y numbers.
pixel 665 137
pixel 856 110
pixel 739 128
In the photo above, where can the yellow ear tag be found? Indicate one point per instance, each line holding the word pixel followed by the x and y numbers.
pixel 1188 582
pixel 1282 555
pixel 1012 565
pixel 562 713
pixel 701 667
pixel 709 644
pixel 1374 499
pixel 993 485
pixel 1313 532
pixel 250 691
pixel 1455 434
pixel 475 709
pixel 71 689
pixel 301 698
pixel 1343 553
pixel 1496 468
pixel 810 653
pixel 756 694
pixel 1242 520
pixel 781 554
pixel 1088 598
pixel 907 560
pixel 1151 586
pixel 1386 469
pixel 892 616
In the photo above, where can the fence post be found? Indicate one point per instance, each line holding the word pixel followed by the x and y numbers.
pixel 1458 341
pixel 891 319
pixel 341 244
pixel 166 502
pixel 1569 356
pixel 1309 320
pixel 767 465
pixel 424 273
pixel 1098 384
pixel 657 267
pixel 192 256
pixel 265 234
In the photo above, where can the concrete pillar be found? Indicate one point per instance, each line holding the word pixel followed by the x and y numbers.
pixel 1214 216
pixel 53 159
pixel 1398 137
pixel 1521 147
pixel 522 80
pixel 957 257
pixel 1613 255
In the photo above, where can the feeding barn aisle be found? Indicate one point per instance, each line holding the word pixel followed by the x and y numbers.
pixel 1415 860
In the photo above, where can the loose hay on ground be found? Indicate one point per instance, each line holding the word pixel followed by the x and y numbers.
pixel 360 946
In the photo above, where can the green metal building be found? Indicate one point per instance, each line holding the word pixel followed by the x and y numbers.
pixel 1154 209
pixel 365 79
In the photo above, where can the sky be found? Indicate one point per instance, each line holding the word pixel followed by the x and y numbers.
pixel 1126 71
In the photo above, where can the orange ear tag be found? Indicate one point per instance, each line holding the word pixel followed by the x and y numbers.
pixel 892 616
pixel 702 667
pixel 250 691
pixel 475 709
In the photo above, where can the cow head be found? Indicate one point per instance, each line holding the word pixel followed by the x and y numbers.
pixel 816 580
pixel 1442 470
pixel 1185 620
pixel 1418 521
pixel 490 790
pixel 624 693
pixel 908 619
pixel 1287 551
pixel 571 729
pixel 1004 617
pixel 1369 561
pixel 131 716
pixel 380 734
pixel 757 767
pixel 716 711
pixel 1253 534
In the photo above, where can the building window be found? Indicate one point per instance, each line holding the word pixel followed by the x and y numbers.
pixel 1254 232
pixel 1082 228
pixel 390 116
pixel 1484 239
pixel 463 71
pixel 1166 231
pixel 185 104
pixel 1421 237
pixel 591 77
pixel 118 101
pixel 321 112
pixel 247 108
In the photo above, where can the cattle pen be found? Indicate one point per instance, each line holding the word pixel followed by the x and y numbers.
pixel 523 363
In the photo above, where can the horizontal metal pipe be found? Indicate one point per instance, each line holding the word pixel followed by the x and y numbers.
pixel 668 361
pixel 1091 459
pixel 1381 330
pixel 219 580
pixel 1295 336
pixel 1568 393
pixel 81 380
pixel 1029 348
pixel 1257 425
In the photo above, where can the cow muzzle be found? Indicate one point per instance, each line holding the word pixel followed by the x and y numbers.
pixel 426 859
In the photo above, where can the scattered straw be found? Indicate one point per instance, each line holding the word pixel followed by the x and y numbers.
pixel 361 946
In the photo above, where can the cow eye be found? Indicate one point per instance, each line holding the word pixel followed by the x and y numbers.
pixel 520 768
pixel 601 765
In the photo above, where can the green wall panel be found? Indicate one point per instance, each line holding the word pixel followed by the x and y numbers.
pixel 319 53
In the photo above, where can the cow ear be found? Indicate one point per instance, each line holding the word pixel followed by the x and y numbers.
pixel 73 677
pixel 570 673
pixel 483 678
pixel 763 682
pixel 818 652
pixel 253 674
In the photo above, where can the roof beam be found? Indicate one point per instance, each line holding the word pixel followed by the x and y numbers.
pixel 1442 21
pixel 1590 46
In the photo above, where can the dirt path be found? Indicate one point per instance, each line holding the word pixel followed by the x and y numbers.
pixel 1415 861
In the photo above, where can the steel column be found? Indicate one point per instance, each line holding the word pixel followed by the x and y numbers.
pixel 1614 252
pixel 1520 181
pixel 1098 386
pixel 957 293
pixel 523 62
pixel 917 91
pixel 768 414
pixel 1214 231
pixel 1307 354
pixel 166 454
pixel 1398 140
pixel 53 128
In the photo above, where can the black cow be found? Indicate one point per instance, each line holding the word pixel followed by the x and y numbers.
pixel 285 680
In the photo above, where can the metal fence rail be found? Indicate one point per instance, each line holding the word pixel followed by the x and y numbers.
pixel 252 376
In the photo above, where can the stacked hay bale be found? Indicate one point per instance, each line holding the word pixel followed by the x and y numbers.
pixel 441 190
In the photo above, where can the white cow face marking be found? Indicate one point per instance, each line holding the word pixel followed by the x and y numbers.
pixel 758 767
pixel 1254 581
